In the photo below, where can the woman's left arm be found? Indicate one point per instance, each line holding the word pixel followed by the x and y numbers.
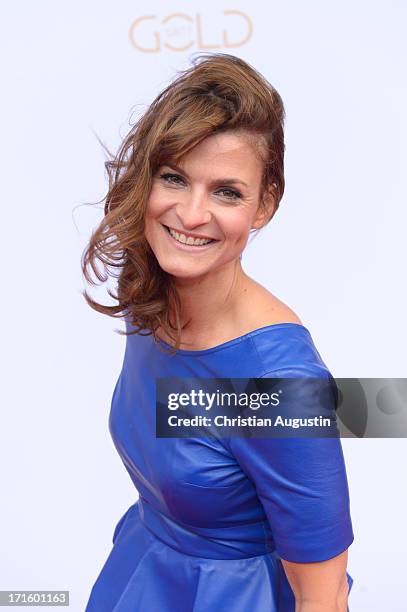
pixel 302 485
pixel 321 586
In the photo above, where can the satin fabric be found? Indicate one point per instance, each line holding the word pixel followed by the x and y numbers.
pixel 215 516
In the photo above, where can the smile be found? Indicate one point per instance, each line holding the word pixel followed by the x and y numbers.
pixel 188 241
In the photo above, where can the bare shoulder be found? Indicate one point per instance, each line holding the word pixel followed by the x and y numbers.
pixel 269 309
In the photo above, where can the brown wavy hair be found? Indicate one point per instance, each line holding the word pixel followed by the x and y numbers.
pixel 218 92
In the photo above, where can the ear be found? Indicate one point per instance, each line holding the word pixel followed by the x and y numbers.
pixel 266 209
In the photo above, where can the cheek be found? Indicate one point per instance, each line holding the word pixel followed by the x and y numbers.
pixel 155 206
pixel 236 226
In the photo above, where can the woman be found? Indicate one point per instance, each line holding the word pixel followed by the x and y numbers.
pixel 242 524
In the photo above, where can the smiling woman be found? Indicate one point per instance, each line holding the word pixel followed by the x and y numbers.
pixel 233 523
pixel 206 160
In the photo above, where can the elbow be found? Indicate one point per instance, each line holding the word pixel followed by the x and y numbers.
pixel 337 602
pixel 342 597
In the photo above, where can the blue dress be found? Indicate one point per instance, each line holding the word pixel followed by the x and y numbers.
pixel 215 517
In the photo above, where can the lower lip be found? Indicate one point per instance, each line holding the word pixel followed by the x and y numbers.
pixel 189 248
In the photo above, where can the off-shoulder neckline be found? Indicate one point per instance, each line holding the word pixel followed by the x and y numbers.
pixel 233 341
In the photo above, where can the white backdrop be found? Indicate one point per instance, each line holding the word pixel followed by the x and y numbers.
pixel 333 252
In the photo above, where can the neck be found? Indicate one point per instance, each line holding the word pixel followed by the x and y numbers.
pixel 211 302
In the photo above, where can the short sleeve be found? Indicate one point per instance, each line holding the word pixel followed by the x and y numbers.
pixel 302 485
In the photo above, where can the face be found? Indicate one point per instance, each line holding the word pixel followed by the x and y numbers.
pixel 199 213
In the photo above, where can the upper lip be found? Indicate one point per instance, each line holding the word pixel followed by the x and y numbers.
pixel 187 234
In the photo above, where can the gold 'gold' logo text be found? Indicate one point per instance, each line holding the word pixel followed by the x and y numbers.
pixel 181 31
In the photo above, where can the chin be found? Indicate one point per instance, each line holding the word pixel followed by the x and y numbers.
pixel 182 272
pixel 179 267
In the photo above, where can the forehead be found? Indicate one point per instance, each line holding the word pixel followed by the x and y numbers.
pixel 220 153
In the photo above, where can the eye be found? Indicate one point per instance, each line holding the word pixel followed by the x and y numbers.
pixel 233 194
pixel 168 177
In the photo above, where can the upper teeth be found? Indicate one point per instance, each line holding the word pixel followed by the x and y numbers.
pixel 188 239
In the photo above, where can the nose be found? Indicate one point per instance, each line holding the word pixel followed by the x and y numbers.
pixel 193 211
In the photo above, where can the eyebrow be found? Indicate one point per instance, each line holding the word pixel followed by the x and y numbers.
pixel 220 181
